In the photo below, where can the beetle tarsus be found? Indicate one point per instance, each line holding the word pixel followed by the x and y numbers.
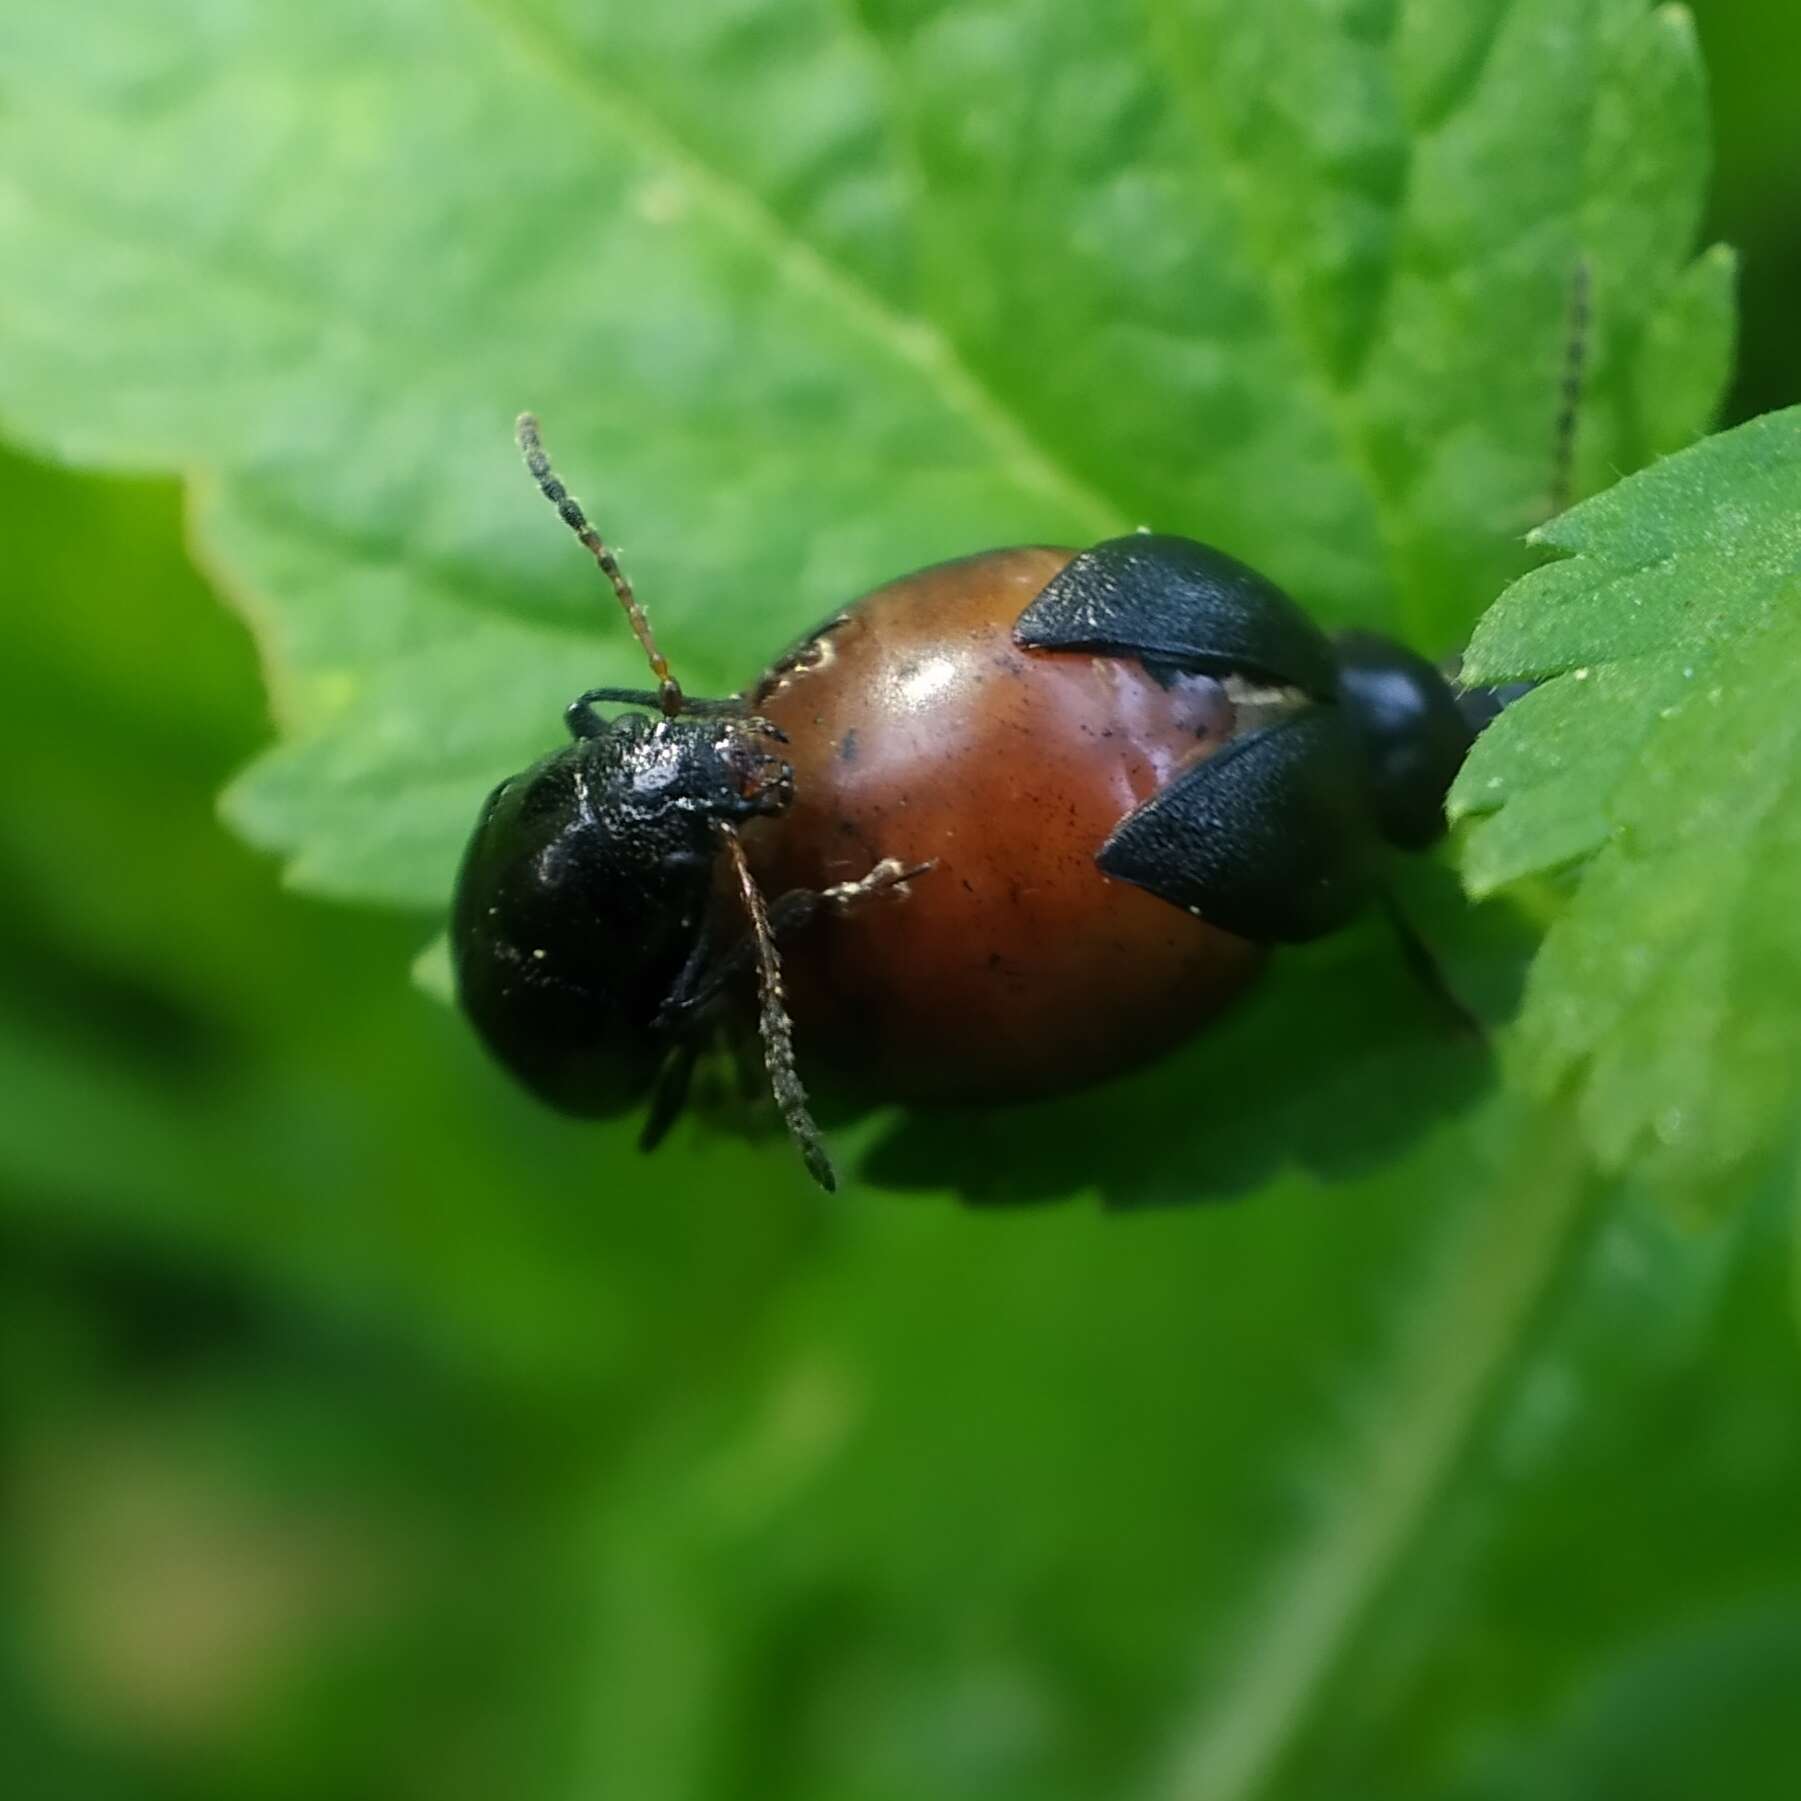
pixel 889 874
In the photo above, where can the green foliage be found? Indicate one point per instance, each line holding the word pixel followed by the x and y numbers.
pixel 1752 48
pixel 443 1448
pixel 1666 746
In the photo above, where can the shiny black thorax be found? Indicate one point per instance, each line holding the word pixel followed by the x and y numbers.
pixel 1277 837
pixel 583 897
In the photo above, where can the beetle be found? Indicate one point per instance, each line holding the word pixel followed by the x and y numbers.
pixel 1029 818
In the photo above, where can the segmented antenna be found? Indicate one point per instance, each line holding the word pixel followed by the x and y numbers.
pixel 772 1021
pixel 531 447
pixel 1569 396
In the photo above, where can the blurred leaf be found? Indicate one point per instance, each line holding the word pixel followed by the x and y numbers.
pixel 1402 1489
pixel 1701 1711
pixel 1565 1539
pixel 982 1444
pixel 1752 49
pixel 1666 747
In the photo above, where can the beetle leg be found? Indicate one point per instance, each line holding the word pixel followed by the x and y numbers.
pixel 669 1096
pixel 891 872
pixel 1429 972
pixel 689 988
pixel 773 1021
pixel 699 985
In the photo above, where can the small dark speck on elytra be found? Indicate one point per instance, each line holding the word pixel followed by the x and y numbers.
pixel 847 750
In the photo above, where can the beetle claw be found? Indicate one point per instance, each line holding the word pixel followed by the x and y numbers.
pixel 887 875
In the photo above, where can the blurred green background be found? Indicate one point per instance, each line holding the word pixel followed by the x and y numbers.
pixel 356 1443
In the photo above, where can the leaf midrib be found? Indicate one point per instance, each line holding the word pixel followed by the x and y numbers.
pixel 912 340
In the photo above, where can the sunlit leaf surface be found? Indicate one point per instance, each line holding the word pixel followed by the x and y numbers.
pixel 1667 745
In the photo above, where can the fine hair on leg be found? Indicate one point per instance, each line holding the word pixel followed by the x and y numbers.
pixel 773 1021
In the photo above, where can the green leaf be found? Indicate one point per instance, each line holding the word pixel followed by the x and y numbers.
pixel 811 294
pixel 1665 746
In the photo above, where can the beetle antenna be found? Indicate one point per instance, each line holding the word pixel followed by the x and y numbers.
pixel 773 1021
pixel 537 460
pixel 1569 395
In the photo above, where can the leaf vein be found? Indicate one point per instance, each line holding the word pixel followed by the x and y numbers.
pixel 912 340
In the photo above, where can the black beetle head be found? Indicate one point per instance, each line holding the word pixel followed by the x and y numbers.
pixel 1411 730
pixel 584 891
pixel 579 930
